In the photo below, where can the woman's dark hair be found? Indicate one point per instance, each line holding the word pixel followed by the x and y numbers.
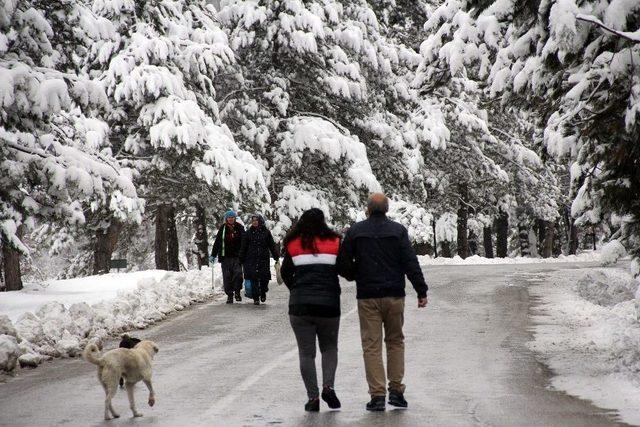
pixel 310 226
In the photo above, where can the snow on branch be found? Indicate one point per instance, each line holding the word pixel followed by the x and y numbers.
pixel 634 37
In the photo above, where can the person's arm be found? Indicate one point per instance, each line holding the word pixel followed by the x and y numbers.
pixel 217 243
pixel 272 246
pixel 287 271
pixel 412 266
pixel 344 262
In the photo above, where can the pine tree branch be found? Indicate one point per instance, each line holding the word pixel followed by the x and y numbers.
pixel 308 113
pixel 633 37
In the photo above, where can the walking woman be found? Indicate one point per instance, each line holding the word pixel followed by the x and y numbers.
pixel 226 248
pixel 257 244
pixel 309 271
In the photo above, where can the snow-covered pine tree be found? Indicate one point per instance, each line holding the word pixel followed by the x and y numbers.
pixel 457 57
pixel 575 65
pixel 159 67
pixel 54 156
pixel 315 102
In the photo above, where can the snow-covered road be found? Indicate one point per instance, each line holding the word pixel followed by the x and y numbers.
pixel 467 364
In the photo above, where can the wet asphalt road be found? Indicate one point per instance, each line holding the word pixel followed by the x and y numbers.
pixel 236 365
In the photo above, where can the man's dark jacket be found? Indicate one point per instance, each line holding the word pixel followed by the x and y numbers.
pixel 232 242
pixel 377 254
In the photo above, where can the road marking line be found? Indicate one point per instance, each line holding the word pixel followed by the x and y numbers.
pixel 221 405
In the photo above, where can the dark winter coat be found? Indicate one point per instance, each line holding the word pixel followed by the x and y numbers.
pixel 377 254
pixel 232 242
pixel 257 244
pixel 312 278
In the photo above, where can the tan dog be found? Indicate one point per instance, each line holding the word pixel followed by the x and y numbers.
pixel 132 364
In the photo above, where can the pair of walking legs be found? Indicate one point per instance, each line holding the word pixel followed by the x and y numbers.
pixel 306 330
pixel 262 287
pixel 232 277
pixel 378 315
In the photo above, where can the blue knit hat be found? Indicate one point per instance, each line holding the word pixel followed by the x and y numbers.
pixel 230 214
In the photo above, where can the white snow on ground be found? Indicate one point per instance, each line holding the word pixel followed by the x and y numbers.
pixel 589 256
pixel 58 318
pixel 588 333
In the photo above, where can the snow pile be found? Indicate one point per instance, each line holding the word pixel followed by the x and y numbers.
pixel 589 335
pixel 590 256
pixel 9 352
pixel 612 252
pixel 606 287
pixel 59 319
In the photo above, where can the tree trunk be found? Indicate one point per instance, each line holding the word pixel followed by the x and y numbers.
pixel 11 265
pixel 161 238
pixel 201 240
pixel 593 235
pixel 487 242
pixel 502 234
pixel 542 225
pixel 523 234
pixel 446 249
pixel 173 251
pixel 463 216
pixel 547 244
pixel 3 286
pixel 473 243
pixel 435 241
pixel 573 238
pixel 105 244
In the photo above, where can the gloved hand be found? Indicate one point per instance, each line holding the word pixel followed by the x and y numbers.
pixel 212 260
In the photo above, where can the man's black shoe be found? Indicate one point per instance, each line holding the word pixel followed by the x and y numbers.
pixel 263 297
pixel 238 296
pixel 377 404
pixel 329 396
pixel 313 405
pixel 256 302
pixel 397 399
pixel 230 299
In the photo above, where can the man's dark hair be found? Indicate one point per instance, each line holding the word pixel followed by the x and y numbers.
pixel 311 225
pixel 377 203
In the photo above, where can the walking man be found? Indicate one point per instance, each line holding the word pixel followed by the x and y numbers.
pixel 377 254
pixel 227 249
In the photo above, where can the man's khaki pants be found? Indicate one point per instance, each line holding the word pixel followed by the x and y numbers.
pixel 376 314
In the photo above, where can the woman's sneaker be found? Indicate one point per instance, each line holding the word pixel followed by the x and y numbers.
pixel 329 396
pixel 377 404
pixel 397 399
pixel 313 405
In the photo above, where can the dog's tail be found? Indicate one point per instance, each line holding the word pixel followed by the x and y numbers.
pixel 91 354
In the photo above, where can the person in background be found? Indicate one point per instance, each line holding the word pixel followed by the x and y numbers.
pixel 377 253
pixel 309 271
pixel 226 248
pixel 256 247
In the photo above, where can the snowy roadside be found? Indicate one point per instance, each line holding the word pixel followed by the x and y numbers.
pixel 58 318
pixel 589 256
pixel 587 331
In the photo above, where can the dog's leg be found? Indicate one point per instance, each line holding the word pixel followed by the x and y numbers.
pixel 132 402
pixel 152 395
pixel 112 388
pixel 108 405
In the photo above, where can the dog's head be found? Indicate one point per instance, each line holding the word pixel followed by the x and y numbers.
pixel 128 341
pixel 148 346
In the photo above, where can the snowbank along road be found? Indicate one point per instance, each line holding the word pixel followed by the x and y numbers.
pixel 227 365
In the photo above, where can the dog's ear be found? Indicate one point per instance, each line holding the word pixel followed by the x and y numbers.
pixel 155 348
